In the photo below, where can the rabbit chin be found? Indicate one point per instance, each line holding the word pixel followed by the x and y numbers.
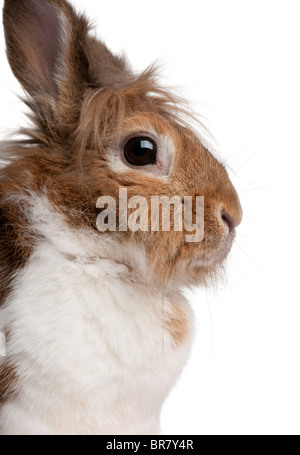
pixel 211 259
pixel 203 266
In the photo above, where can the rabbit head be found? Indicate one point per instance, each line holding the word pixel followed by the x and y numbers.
pixel 99 128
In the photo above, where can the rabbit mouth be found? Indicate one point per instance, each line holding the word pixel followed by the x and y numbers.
pixel 210 259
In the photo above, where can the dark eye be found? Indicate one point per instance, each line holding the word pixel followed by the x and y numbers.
pixel 140 151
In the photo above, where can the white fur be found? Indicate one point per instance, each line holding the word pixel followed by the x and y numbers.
pixel 2 345
pixel 91 348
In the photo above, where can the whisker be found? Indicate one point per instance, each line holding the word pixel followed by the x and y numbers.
pixel 271 185
pixel 247 161
pixel 249 257
pixel 240 234
pixel 228 287
pixel 250 184
pixel 210 319
pixel 237 151
pixel 236 283
pixel 163 310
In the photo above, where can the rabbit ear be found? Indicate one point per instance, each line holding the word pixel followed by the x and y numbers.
pixel 45 44
pixel 54 57
pixel 106 69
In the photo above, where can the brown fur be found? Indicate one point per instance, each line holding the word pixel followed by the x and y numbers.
pixel 7 380
pixel 15 241
pixel 83 100
pixel 177 325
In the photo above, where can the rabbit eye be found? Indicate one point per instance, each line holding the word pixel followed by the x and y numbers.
pixel 140 151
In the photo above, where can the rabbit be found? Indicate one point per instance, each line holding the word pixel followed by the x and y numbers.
pixel 97 326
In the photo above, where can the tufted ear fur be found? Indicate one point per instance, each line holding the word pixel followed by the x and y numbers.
pixel 51 53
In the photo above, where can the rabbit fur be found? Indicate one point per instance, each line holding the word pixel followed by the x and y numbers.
pixel 97 326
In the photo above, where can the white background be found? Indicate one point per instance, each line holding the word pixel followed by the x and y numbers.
pixel 238 61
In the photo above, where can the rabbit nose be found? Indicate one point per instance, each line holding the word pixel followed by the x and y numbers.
pixel 229 220
pixel 230 209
